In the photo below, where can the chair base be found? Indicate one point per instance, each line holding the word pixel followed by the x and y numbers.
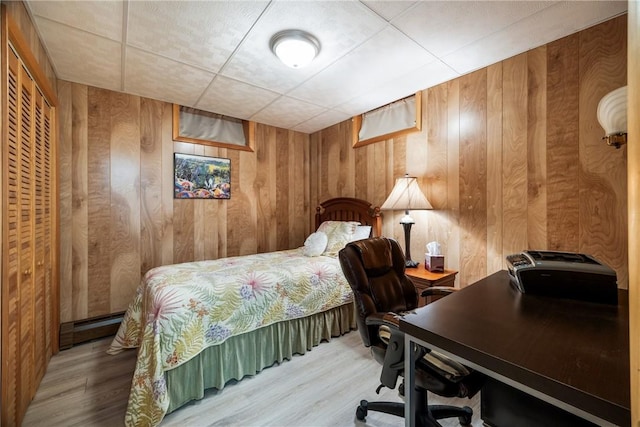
pixel 424 418
pixel 393 408
pixel 439 412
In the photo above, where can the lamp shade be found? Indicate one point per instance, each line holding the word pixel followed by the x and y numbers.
pixel 612 112
pixel 406 195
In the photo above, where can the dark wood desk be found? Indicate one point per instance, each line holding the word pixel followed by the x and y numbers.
pixel 572 354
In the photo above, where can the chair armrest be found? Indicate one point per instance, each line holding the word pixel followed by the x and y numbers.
pixel 438 290
pixel 393 363
pixel 377 319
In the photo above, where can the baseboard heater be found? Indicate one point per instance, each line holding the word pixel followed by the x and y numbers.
pixel 80 331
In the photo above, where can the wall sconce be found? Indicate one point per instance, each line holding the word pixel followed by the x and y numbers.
pixel 612 115
pixel 295 48
pixel 406 195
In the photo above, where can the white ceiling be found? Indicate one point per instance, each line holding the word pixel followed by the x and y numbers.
pixel 214 55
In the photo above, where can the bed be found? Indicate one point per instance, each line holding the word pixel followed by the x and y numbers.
pixel 199 325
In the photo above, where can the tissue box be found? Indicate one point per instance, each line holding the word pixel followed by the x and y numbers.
pixel 434 263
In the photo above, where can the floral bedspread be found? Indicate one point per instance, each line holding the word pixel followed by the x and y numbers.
pixel 179 310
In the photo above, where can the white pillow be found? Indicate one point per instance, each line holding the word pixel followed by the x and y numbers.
pixel 339 233
pixel 362 232
pixel 315 244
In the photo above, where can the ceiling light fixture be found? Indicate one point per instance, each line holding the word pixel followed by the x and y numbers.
pixel 295 48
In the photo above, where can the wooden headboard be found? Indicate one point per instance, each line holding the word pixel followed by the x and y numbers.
pixel 350 209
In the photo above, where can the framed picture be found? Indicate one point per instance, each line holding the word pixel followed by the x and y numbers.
pixel 200 177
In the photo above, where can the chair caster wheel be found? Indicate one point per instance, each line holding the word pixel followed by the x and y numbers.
pixel 465 420
pixel 361 412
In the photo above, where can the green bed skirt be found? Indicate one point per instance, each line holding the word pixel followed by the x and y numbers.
pixel 249 353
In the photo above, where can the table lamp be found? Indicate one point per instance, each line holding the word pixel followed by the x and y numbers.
pixel 406 195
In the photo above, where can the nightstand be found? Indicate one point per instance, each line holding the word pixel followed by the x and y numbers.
pixel 423 279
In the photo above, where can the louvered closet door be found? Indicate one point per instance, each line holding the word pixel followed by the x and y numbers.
pixel 42 236
pixel 29 234
pixel 39 242
pixel 26 298
pixel 26 282
pixel 11 270
pixel 47 230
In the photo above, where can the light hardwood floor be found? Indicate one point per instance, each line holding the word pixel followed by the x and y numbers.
pixel 84 386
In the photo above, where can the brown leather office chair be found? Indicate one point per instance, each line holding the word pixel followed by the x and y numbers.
pixel 375 269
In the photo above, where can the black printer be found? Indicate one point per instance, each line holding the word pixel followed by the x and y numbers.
pixel 563 275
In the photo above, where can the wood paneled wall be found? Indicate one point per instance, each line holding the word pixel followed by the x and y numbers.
pixel 510 157
pixel 634 206
pixel 118 215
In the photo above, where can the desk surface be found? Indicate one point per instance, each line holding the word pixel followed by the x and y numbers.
pixel 572 351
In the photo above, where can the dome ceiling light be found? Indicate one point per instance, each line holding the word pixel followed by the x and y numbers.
pixel 295 48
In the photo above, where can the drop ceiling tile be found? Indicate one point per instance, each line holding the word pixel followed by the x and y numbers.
pixel 103 18
pixel 568 17
pixel 322 121
pixel 443 27
pixel 389 9
pixel 199 33
pixel 536 30
pixel 160 78
pixel 385 57
pixel 427 76
pixel 81 57
pixel 287 113
pixel 233 98
pixel 339 26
